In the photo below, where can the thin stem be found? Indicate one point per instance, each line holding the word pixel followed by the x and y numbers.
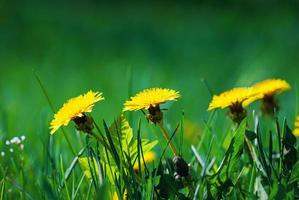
pixel 164 131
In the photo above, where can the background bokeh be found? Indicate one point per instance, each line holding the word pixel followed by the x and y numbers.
pixel 120 48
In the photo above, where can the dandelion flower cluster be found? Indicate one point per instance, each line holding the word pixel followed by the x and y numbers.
pixel 74 108
pixel 238 98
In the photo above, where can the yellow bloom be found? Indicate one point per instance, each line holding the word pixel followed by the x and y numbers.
pixel 148 158
pixel 296 130
pixel 271 86
pixel 231 97
pixel 150 98
pixel 73 108
pixel 268 88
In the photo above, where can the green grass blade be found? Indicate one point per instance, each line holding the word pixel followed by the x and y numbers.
pixel 53 109
pixel 2 189
pixel 64 180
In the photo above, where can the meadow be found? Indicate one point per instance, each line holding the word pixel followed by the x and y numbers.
pixel 51 52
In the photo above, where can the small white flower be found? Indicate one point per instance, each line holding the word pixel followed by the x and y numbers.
pixel 22 146
pixel 2 153
pixel 7 142
pixel 23 137
pixel 15 140
pixel 11 150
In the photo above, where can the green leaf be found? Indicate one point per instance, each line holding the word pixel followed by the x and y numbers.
pixel 227 140
pixel 250 135
pixel 227 173
pixel 237 148
pixel 289 158
pixel 167 186
pixel 83 162
pixel 294 174
pixel 262 154
pixel 121 133
pixel 259 189
pixel 289 139
pixel 146 144
pixel 114 153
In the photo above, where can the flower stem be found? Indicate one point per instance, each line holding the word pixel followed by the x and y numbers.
pixel 166 135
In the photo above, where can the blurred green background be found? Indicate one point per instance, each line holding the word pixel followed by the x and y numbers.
pixel 121 48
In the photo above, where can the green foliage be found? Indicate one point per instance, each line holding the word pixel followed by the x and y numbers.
pixel 221 183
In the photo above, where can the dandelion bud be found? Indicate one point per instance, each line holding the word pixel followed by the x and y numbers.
pixel 180 166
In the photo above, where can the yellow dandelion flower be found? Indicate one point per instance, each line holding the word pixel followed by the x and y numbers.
pixel 296 129
pixel 150 98
pixel 266 90
pixel 235 99
pixel 73 108
pixel 271 87
pixel 231 97
pixel 148 158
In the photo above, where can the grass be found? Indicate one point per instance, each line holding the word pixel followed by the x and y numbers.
pixel 196 48
pixel 112 162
